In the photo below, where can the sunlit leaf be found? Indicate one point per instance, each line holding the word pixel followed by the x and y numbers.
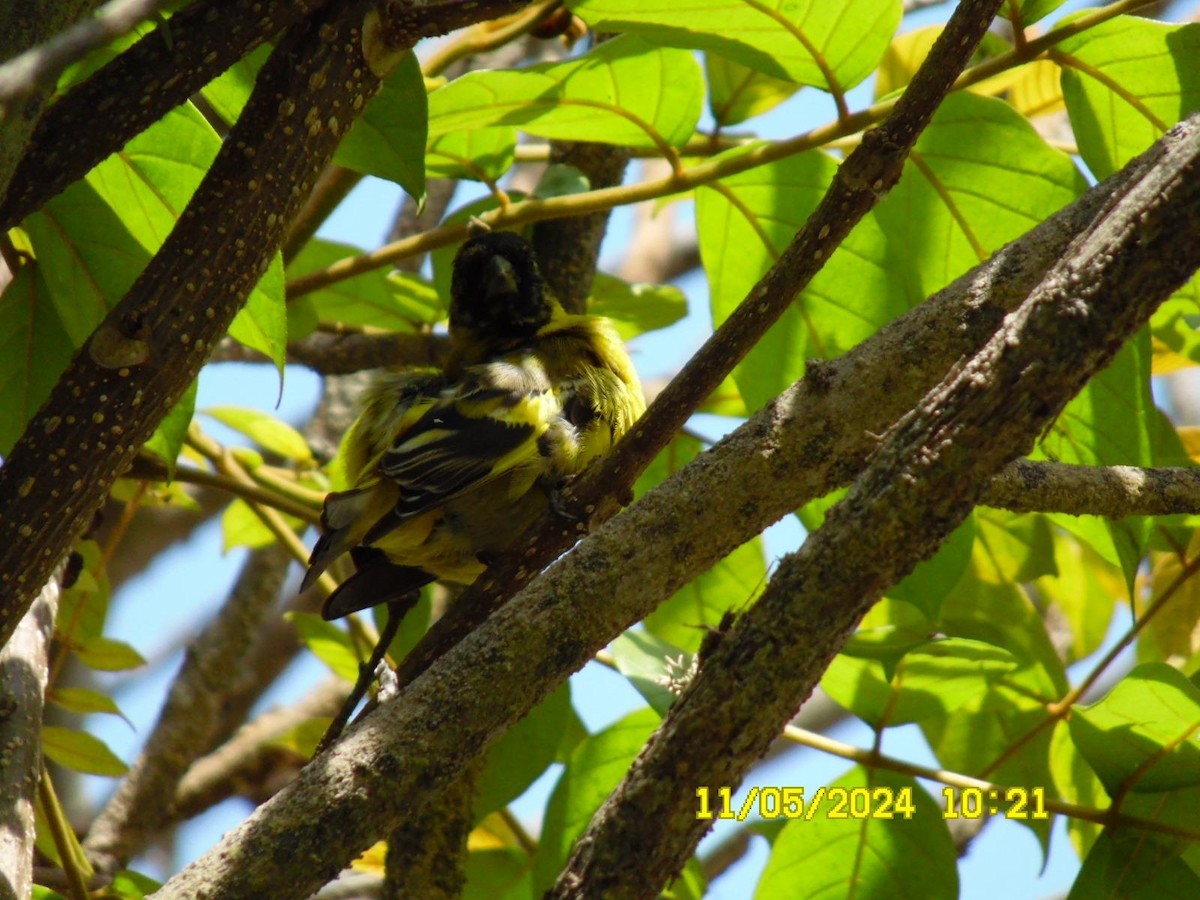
pixel 522 754
pixel 1126 81
pixel 624 91
pixel 832 46
pixel 388 139
pixel 737 93
pixel 265 430
pixel 1143 735
pixel 80 752
pixel 810 855
pixel 328 643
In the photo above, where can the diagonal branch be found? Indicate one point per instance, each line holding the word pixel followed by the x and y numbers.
pixel 149 348
pixel 924 480
pixel 865 176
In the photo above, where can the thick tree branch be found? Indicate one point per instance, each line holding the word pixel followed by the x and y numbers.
pixel 39 67
pixel 928 474
pixel 149 348
pixel 23 670
pixel 865 176
pixel 191 721
pixel 126 96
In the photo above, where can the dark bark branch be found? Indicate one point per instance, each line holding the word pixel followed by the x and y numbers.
pixel 866 175
pixel 568 248
pixel 152 344
pixel 23 670
pixel 125 97
pixel 39 67
pixel 928 474
pixel 191 721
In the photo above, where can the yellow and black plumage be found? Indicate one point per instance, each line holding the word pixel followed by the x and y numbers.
pixel 449 467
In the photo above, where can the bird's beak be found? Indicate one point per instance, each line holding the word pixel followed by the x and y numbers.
pixel 500 280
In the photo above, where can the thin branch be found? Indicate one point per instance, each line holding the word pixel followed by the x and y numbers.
pixel 1113 492
pixel 39 67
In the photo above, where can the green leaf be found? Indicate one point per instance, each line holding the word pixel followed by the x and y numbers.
pixel 522 754
pixel 881 859
pixel 262 323
pixel 167 440
pixel 596 766
pixel 635 309
pixel 479 154
pixel 84 700
pixel 108 655
pixel 1143 734
pixel 265 430
pixel 1079 592
pixel 906 53
pixel 645 661
pixel 80 752
pixel 1125 82
pixel 737 93
pixel 745 222
pixel 499 873
pixel 1032 10
pixel 229 91
pixel 929 583
pixel 1134 869
pixel 624 92
pixel 34 350
pixel 241 527
pixel 832 46
pixel 388 139
pixel 1075 782
pixel 934 678
pixel 375 299
pixel 130 885
pixel 84 605
pixel 978 177
pixel 328 643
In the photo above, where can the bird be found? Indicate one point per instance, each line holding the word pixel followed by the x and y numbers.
pixel 448 467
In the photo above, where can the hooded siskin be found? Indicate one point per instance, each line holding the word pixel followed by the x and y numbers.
pixel 449 468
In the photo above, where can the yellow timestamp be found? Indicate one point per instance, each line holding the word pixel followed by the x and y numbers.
pixel 867 803
pixel 791 803
pixel 1012 802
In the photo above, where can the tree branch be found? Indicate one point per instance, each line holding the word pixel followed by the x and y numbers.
pixel 39 67
pixel 151 345
pixel 1110 491
pixel 23 671
pixel 130 93
pixel 924 480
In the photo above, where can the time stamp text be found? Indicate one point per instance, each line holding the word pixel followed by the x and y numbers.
pixel 867 803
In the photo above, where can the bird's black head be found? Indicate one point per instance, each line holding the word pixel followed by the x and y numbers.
pixel 497 294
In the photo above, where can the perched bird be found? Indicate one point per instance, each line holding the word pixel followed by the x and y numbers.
pixel 449 467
